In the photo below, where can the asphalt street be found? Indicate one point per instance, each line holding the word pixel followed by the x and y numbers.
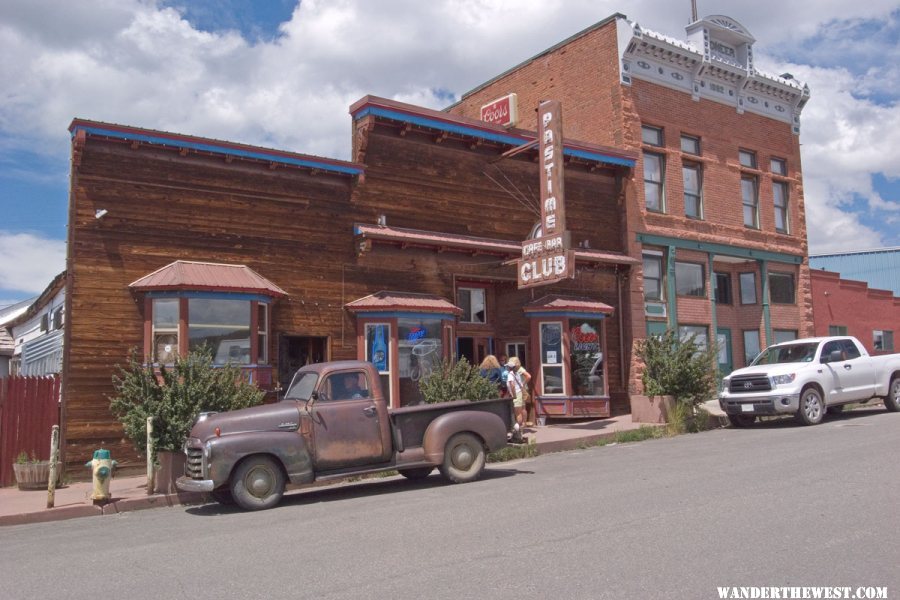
pixel 775 505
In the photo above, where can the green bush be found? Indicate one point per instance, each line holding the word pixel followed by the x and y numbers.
pixel 175 396
pixel 456 381
pixel 682 369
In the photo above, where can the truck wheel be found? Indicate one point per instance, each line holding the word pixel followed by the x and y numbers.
pixel 741 420
pixel 417 473
pixel 257 483
pixel 463 458
pixel 812 409
pixel 892 400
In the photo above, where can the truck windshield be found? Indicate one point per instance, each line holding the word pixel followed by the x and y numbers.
pixel 787 353
pixel 302 387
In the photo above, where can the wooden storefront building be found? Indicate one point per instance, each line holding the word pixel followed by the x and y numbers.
pixel 403 256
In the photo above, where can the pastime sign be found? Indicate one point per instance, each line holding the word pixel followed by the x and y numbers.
pixel 503 111
pixel 547 259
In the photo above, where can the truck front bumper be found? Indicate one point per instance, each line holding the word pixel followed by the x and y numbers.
pixel 770 404
pixel 194 485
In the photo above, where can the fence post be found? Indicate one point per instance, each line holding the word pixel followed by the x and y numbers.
pixel 54 460
pixel 150 471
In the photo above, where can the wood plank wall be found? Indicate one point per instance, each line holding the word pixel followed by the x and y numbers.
pixel 295 228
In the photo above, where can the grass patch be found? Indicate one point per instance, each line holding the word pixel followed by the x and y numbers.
pixel 513 452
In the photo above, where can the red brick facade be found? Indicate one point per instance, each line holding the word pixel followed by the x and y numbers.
pixel 852 305
pixel 583 73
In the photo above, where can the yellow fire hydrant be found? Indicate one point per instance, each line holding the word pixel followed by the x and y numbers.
pixel 102 467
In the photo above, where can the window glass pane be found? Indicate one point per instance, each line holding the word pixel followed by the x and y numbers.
pixel 653 176
pixel 345 386
pixel 586 362
pixel 689 280
pixel 689 144
pixel 420 352
pixel 781 288
pixel 883 341
pixel 471 300
pixel 837 330
pixel 165 313
pixel 262 320
pixel 685 332
pixel 651 135
pixel 652 277
pixel 748 158
pixel 723 288
pixel 749 199
pixel 223 326
pixel 780 192
pixel 748 288
pixel 691 174
pixel 551 358
pixel 784 335
pixel 751 345
pixel 779 166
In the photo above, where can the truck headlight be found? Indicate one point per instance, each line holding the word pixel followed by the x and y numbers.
pixel 784 379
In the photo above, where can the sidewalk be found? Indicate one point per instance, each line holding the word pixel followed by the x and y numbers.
pixel 130 493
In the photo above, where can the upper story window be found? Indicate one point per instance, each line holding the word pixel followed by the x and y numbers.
pixel 780 199
pixel 693 190
pixel 750 201
pixel 654 177
pixel 689 279
pixel 837 330
pixel 779 166
pixel 472 302
pixel 690 144
pixel 747 158
pixel 652 135
pixel 748 288
pixel 781 288
pixel 883 340
pixel 653 277
pixel 722 283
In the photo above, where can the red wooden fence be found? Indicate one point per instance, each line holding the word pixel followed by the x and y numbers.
pixel 29 408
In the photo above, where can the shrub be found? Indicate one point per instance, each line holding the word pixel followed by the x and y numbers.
pixel 175 396
pixel 682 369
pixel 456 381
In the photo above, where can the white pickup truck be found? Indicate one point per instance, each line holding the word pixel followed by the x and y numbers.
pixel 807 377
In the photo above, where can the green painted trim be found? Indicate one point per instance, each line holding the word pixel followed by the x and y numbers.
pixel 670 288
pixel 712 293
pixel 767 317
pixel 658 240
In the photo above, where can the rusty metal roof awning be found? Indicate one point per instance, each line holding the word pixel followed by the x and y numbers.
pixel 185 275
pixel 569 305
pixel 387 301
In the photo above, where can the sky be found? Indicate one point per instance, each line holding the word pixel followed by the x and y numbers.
pixel 282 74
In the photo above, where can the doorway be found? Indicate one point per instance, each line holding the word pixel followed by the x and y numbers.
pixel 473 348
pixel 295 351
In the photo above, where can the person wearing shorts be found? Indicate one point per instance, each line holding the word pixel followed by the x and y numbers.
pixel 517 379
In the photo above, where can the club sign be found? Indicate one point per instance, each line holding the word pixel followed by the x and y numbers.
pixel 548 259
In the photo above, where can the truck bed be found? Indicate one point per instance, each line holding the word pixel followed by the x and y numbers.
pixel 410 422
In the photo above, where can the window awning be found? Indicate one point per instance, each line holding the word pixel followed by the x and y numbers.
pixel 403 302
pixel 567 306
pixel 185 275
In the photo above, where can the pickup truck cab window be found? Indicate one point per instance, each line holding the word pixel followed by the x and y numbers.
pixel 302 387
pixel 345 386
pixel 789 353
pixel 847 349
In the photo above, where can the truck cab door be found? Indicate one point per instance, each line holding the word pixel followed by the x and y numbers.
pixel 346 424
pixel 859 373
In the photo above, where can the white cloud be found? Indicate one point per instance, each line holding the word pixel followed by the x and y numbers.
pixel 29 262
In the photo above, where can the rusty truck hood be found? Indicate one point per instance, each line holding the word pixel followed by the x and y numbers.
pixel 282 416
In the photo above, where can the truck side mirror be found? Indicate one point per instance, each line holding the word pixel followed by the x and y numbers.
pixel 833 356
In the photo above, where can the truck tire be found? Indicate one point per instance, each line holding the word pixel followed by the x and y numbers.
pixel 416 473
pixel 812 408
pixel 222 496
pixel 257 483
pixel 892 400
pixel 463 458
pixel 741 421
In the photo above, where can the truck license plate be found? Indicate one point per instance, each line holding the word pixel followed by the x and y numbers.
pixel 746 408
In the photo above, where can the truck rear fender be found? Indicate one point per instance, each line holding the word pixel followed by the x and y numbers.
pixel 488 426
pixel 287 447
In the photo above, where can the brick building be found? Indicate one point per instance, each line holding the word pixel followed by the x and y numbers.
pixel 714 206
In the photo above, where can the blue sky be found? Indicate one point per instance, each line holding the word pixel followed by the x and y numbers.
pixel 281 74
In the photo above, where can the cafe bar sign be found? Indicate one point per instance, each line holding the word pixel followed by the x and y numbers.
pixel 548 259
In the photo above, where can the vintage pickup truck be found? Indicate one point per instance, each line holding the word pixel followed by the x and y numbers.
pixel 332 423
pixel 807 377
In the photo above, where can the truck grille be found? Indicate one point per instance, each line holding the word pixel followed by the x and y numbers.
pixel 193 465
pixel 749 384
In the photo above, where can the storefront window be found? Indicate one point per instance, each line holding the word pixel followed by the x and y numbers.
pixel 378 352
pixel 586 362
pixel 223 326
pixel 420 351
pixel 262 326
pixel 165 330
pixel 552 359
